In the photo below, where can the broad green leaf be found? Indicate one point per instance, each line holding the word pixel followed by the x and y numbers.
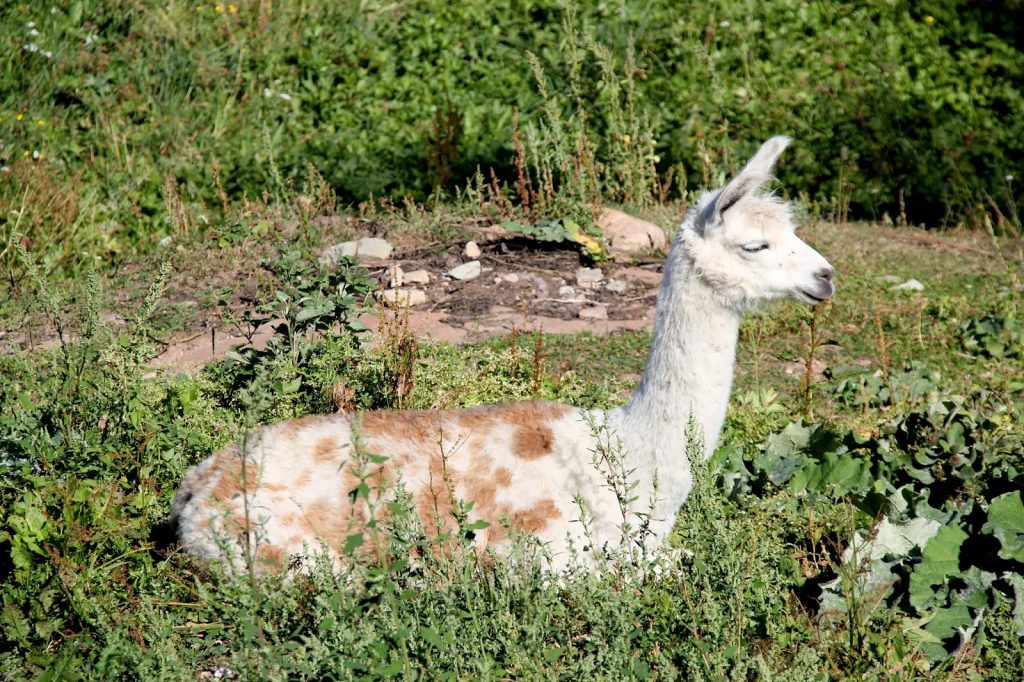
pixel 939 560
pixel 1006 522
pixel 944 626
pixel 1017 582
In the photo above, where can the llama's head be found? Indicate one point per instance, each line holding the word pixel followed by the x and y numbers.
pixel 742 241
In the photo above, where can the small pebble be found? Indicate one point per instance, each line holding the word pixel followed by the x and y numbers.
pixel 466 271
pixel 594 312
pixel 616 286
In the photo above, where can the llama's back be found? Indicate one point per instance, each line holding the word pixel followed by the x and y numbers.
pixel 520 464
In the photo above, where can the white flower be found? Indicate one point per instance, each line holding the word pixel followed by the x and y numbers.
pixel 723 24
pixel 47 54
pixel 267 92
pixel 5 169
pixel 286 97
pixel 35 154
pixel 90 39
pixel 31 47
pixel 31 24
pixel 33 33
pixel 1008 178
pixel 53 10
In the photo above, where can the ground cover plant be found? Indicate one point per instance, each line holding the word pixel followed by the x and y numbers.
pixel 863 517
pixel 865 524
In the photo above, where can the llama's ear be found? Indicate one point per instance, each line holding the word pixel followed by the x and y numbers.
pixel 756 173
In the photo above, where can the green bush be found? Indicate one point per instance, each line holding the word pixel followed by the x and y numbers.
pixel 116 119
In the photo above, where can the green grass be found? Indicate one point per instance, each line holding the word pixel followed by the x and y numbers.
pixel 122 125
pixel 95 447
pixel 163 137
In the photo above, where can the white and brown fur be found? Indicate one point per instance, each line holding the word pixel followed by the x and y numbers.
pixel 523 464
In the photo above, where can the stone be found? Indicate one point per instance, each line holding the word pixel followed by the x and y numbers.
pixel 397 276
pixel 616 286
pixel 594 312
pixel 507 277
pixel 566 293
pixel 472 250
pixel 589 278
pixel 466 271
pixel 367 248
pixel 629 237
pixel 417 277
pixel 404 297
pixel 910 285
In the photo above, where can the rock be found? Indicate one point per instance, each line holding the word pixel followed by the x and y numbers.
pixel 589 278
pixel 616 286
pixel 594 312
pixel 466 271
pixel 417 277
pixel 566 293
pixel 367 248
pixel 629 237
pixel 910 285
pixel 397 276
pixel 472 250
pixel 403 297
pixel 508 277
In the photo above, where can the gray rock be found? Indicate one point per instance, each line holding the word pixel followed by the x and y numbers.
pixel 589 278
pixel 910 285
pixel 417 277
pixel 472 250
pixel 466 271
pixel 397 276
pixel 404 297
pixel 616 286
pixel 367 248
pixel 629 237
pixel 594 312
pixel 566 293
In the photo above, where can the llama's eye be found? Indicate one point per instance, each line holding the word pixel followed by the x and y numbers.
pixel 754 248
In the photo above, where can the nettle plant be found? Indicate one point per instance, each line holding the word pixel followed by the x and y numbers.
pixel 308 301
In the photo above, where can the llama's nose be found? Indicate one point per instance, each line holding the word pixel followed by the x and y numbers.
pixel 826 273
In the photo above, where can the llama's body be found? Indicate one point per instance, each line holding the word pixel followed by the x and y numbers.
pixel 524 465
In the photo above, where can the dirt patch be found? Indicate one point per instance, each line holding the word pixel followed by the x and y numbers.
pixel 521 286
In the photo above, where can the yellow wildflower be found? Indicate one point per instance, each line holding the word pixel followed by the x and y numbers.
pixel 40 122
pixel 929 19
pixel 219 9
pixel 232 9
pixel 20 116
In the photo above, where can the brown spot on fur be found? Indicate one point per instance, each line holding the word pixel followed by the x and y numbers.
pixel 533 437
pixel 325 450
pixel 536 518
pixel 301 481
pixel 503 477
pixel 532 442
pixel 230 483
pixel 327 521
pixel 270 558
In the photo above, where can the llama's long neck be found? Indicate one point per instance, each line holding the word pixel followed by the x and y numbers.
pixel 688 374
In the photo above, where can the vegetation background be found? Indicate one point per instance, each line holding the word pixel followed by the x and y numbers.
pixel 868 525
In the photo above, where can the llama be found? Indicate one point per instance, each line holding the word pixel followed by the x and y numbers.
pixel 527 466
